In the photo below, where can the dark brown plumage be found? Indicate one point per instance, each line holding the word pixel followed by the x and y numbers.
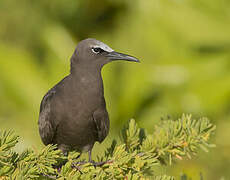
pixel 73 113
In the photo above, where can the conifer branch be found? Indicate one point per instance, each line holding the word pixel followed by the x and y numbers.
pixel 134 158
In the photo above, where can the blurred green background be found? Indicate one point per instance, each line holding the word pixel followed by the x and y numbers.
pixel 183 45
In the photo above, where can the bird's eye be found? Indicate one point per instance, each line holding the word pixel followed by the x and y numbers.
pixel 97 50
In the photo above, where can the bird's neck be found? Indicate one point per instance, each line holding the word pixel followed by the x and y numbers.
pixel 88 76
pixel 85 70
pixel 77 68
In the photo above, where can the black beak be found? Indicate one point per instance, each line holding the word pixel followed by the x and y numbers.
pixel 120 56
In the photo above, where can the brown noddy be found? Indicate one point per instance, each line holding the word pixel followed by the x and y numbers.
pixel 73 113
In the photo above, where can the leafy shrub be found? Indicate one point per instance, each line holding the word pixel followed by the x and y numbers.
pixel 135 158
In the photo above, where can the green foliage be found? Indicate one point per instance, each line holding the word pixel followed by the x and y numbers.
pixel 134 158
pixel 184 48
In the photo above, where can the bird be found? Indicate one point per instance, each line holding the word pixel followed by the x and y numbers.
pixel 73 113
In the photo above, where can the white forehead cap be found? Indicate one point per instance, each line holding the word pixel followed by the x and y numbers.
pixel 103 46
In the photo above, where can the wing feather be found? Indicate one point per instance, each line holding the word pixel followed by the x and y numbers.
pixel 46 128
pixel 101 120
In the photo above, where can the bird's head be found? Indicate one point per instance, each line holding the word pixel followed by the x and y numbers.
pixel 92 52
